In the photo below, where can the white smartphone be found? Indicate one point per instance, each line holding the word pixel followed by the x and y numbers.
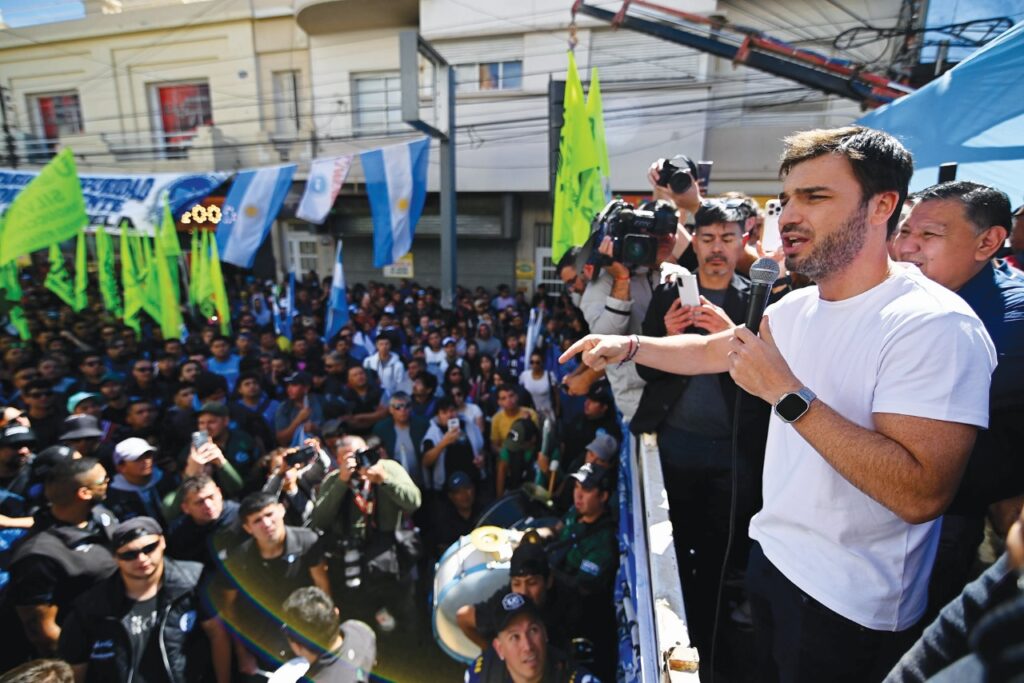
pixel 453 424
pixel 771 239
pixel 688 294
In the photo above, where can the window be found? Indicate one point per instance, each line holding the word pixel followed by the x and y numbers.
pixel 378 103
pixel 303 253
pixel 177 111
pixel 286 101
pixel 56 114
pixel 489 76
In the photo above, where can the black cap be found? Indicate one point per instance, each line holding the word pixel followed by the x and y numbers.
pixel 136 527
pixel 213 408
pixel 457 480
pixel 529 559
pixel 513 605
pixel 601 392
pixel 80 427
pixel 16 436
pixel 592 476
pixel 299 377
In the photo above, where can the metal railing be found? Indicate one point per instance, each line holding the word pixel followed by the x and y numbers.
pixel 652 598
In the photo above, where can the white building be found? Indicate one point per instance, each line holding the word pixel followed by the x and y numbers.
pixel 148 85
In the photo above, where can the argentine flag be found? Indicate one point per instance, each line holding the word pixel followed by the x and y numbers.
pixel 326 176
pixel 337 312
pixel 396 182
pixel 250 207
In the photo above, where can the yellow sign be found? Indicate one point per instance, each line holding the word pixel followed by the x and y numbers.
pixel 526 270
pixel 403 268
pixel 202 214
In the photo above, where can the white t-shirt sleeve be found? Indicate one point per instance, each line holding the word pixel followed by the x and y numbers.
pixel 937 367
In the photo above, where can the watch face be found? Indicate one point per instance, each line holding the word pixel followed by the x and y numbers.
pixel 791 407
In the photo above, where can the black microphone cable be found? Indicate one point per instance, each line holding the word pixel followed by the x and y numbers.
pixel 763 274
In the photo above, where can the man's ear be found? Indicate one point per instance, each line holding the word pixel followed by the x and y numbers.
pixel 989 242
pixel 498 648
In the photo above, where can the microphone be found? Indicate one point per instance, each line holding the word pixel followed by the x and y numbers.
pixel 763 275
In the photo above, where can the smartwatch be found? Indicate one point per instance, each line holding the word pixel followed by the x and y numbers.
pixel 792 406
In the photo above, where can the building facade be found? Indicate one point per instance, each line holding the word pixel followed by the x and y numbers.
pixel 180 85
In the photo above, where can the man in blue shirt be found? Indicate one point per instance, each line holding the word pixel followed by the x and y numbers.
pixel 222 361
pixel 952 234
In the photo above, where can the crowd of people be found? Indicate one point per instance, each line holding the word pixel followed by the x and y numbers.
pixel 268 502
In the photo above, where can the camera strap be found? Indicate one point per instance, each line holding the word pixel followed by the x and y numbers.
pixel 364 500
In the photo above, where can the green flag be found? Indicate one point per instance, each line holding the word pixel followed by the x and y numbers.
pixel 58 280
pixel 193 271
pixel 105 272
pixel 130 282
pixel 595 116
pixel 170 308
pixel 12 297
pixel 220 295
pixel 151 280
pixel 81 274
pixel 170 248
pixel 50 209
pixel 204 288
pixel 573 212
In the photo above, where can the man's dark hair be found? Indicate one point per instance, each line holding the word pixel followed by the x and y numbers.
pixel 255 502
pixel 40 671
pixel 429 380
pixel 712 211
pixel 568 259
pixel 507 387
pixel 446 402
pixel 247 375
pixel 193 484
pixel 220 337
pixel 984 206
pixel 66 478
pixel 879 161
pixel 311 614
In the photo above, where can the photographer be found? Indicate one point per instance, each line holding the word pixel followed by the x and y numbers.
pixel 362 510
pixel 616 300
pixel 295 475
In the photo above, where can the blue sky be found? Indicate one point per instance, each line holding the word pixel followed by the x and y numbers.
pixel 27 12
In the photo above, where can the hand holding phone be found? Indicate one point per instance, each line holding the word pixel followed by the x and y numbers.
pixel 453 424
pixel 771 239
pixel 688 293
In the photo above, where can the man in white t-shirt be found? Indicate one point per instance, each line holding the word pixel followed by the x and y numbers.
pixel 879 379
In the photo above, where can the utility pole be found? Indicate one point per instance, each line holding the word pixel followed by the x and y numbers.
pixel 12 153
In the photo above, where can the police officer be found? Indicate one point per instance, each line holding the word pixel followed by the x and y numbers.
pixel 584 558
pixel 67 555
pixel 520 652
pixel 140 623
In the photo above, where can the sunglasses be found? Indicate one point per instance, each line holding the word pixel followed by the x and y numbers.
pixel 129 555
pixel 91 363
pixel 144 369
pixel 400 406
pixel 39 394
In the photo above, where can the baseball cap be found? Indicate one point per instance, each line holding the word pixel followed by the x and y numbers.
pixel 80 427
pixel 17 436
pixel 299 377
pixel 512 606
pixel 136 527
pixel 529 559
pixel 332 427
pixel 447 340
pixel 522 430
pixel 458 480
pixel 604 446
pixel 132 449
pixel 82 396
pixel 592 476
pixel 600 392
pixel 112 377
pixel 213 408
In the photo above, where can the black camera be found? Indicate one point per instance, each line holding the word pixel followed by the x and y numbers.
pixel 369 456
pixel 634 232
pixel 677 173
pixel 303 456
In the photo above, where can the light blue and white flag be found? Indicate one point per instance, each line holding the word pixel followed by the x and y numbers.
pixel 326 176
pixel 396 182
pixel 250 207
pixel 337 311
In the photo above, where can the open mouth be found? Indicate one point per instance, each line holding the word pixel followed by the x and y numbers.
pixel 792 243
